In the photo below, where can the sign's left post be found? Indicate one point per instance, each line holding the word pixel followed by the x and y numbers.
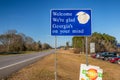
pixel 55 57
pixel 55 53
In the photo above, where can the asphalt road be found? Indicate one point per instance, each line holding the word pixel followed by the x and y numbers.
pixel 12 63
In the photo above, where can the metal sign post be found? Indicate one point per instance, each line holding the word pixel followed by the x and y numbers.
pixel 55 58
pixel 86 51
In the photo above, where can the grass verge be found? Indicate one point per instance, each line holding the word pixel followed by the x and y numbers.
pixel 68 68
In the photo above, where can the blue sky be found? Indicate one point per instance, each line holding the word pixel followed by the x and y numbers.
pixel 32 17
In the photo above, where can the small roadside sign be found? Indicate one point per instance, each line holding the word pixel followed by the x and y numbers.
pixel 92 47
pixel 70 22
pixel 90 72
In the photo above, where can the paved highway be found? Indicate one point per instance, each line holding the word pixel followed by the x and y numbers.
pixel 12 63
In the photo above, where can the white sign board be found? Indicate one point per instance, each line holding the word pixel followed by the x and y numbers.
pixel 90 72
pixel 92 47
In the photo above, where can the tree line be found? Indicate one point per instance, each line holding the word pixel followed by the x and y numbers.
pixel 11 41
pixel 103 42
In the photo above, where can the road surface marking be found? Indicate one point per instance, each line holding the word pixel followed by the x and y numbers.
pixel 19 62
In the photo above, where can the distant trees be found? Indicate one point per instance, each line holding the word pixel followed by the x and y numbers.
pixel 9 40
pixel 78 44
pixel 46 46
pixel 103 42
pixel 67 45
pixel 13 41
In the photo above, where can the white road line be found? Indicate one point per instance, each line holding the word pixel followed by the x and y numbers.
pixel 19 62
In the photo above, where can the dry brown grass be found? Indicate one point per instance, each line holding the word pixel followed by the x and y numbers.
pixel 68 68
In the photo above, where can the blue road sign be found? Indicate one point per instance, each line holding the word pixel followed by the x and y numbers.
pixel 118 45
pixel 70 22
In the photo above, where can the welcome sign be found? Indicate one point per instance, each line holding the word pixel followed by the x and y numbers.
pixel 71 22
